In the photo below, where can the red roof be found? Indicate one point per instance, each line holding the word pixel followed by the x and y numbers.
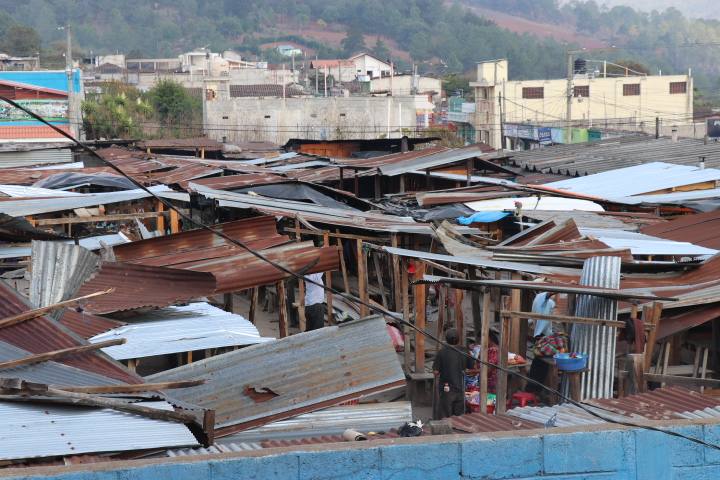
pixel 17 132
pixel 27 86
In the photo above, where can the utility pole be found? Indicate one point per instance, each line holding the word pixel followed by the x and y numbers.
pixel 502 129
pixel 73 119
pixel 570 88
pixel 316 74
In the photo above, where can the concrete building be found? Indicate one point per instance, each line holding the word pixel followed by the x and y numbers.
pixel 407 84
pixel 370 65
pixel 330 118
pixel 630 102
pixel 363 67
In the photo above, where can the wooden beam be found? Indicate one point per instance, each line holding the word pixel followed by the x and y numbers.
pixel 636 374
pixel 341 235
pixel 397 282
pixel 459 317
pixel 484 336
pixel 470 167
pixel 378 274
pixel 139 387
pixel 328 281
pixel 254 305
pixel 405 299
pixel 677 380
pixel 475 303
pixel 362 279
pixel 420 319
pixel 42 357
pixel 443 268
pixel 174 221
pixel 651 314
pixel 100 218
pixel 518 344
pixel 39 312
pixel 565 318
pixel 501 393
pixel 160 207
pixel 343 267
pixel 282 309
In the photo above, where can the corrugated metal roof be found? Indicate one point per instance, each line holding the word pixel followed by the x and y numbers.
pixel 25 191
pixel 702 229
pixel 368 417
pixel 138 286
pixel 30 430
pixel 581 218
pixel 264 90
pixel 637 180
pixel 640 244
pixel 235 181
pixel 567 415
pixel 301 373
pixel 16 250
pixel 42 335
pixel 436 160
pixel 198 142
pixel 217 448
pixel 484 423
pixel 541 203
pixel 19 229
pixel 197 326
pixel 86 324
pixel 21 208
pixel 668 197
pixel 31 175
pixel 663 404
pixel 184 173
pixel 258 233
pixel 57 272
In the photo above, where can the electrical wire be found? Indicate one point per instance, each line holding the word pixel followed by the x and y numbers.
pixel 351 298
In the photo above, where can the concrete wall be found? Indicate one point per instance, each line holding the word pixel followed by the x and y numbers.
pixel 237 76
pixel 331 118
pixel 576 453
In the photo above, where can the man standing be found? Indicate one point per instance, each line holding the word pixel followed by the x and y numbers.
pixel 450 366
pixel 314 299
pixel 544 303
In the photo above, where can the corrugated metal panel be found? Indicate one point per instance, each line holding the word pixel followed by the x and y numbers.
pixel 236 181
pixel 49 372
pixel 19 229
pixel 370 417
pixel 58 270
pixel 21 208
pixel 24 191
pixel 34 133
pixel 30 430
pixel 42 335
pixel 597 341
pixel 217 448
pixel 663 404
pixel 484 423
pixel 301 373
pixel 431 161
pixel 641 244
pixel 668 198
pixel 86 324
pixel 138 286
pixel 91 243
pixel 32 175
pixel 198 142
pixel 702 229
pixel 567 415
pixel 180 329
pixel 637 180
pixel 582 219
pixel 188 172
pixel 255 232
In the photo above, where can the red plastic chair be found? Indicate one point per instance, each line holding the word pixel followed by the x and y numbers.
pixel 524 398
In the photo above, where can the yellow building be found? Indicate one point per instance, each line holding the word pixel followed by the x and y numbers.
pixel 631 102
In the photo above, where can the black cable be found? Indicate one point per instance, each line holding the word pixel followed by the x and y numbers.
pixel 374 308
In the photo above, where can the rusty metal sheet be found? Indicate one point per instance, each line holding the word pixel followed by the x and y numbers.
pixel 668 403
pixel 483 423
pixel 244 271
pixel 677 320
pixel 258 232
pixel 86 324
pixel 28 177
pixel 235 181
pixel 702 229
pixel 42 335
pixel 274 380
pixel 138 286
pixel 198 142
pixel 184 173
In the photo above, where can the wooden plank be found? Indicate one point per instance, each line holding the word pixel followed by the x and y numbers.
pixel 160 207
pixel 397 282
pixel 174 221
pixel 341 235
pixel 343 267
pixel 445 269
pixel 138 387
pixel 517 342
pixel 378 274
pixel 484 336
pixel 362 279
pixel 459 317
pixel 420 319
pixel 475 302
pixel 502 379
pixel 328 282
pixel 39 312
pixel 635 368
pixel 652 315
pixel 100 218
pixel 254 305
pixel 282 309
pixel 565 318
pixel 406 313
pixel 301 284
pixel 677 380
pixel 42 357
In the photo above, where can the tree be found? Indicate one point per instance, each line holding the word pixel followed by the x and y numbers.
pixel 135 53
pixel 115 112
pixel 447 137
pixel 354 41
pixel 173 103
pixel 6 21
pixel 633 67
pixel 380 50
pixel 22 41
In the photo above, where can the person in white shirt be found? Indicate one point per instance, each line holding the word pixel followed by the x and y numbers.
pixel 544 304
pixel 314 299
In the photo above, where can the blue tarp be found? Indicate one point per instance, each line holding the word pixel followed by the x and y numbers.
pixel 483 217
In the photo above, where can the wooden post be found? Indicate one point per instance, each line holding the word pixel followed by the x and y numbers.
pixel 427 179
pixel 475 299
pixel 328 281
pixel 161 219
pixel 402 183
pixel 397 281
pixel 441 314
pixel 362 279
pixel 342 262
pixel 301 283
pixel 518 343
pixel 378 186
pixel 420 318
pixel 459 317
pixel 636 375
pixel 651 315
pixel 254 305
pixel 282 309
pixel 378 274
pixel 470 165
pixel 229 302
pixel 484 334
pixel 405 299
pixel 357 183
pixel 502 380
pixel 174 221
pixel 342 179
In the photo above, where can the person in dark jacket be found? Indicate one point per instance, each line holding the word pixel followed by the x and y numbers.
pixel 450 366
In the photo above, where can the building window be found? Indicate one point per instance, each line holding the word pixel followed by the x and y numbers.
pixel 678 87
pixel 267 116
pixel 225 117
pixel 631 89
pixel 582 90
pixel 533 92
pixel 342 114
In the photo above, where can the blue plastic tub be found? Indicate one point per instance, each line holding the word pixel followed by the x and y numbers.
pixel 564 362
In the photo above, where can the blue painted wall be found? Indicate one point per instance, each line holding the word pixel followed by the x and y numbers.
pixel 57 80
pixel 565 454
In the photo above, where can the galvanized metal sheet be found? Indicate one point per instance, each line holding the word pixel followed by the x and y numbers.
pixel 197 326
pixel 29 430
pixel 431 161
pixel 58 271
pixel 91 243
pixel 262 383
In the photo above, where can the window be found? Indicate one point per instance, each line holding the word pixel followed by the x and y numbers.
pixel 267 116
pixel 582 90
pixel 678 87
pixel 225 117
pixel 342 114
pixel 533 92
pixel 631 89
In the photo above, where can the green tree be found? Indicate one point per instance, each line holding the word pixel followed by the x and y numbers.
pixel 6 21
pixel 354 41
pixel 174 106
pixel 22 40
pixel 447 137
pixel 117 111
pixel 135 53
pixel 380 50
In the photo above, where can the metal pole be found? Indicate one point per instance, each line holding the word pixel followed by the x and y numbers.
pixel 569 99
pixel 316 74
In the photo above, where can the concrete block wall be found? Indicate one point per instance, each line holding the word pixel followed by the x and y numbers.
pixel 572 453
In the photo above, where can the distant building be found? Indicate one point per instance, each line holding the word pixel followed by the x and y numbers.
pixel 289 50
pixel 630 102
pixel 370 65
pixel 363 68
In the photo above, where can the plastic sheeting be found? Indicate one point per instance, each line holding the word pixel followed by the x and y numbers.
pixel 483 217
pixel 295 191
pixel 405 209
pixel 60 180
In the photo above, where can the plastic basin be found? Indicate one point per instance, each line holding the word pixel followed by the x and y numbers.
pixel 564 361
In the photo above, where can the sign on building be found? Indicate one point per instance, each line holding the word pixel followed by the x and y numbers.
pixel 713 127
pixel 545 136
